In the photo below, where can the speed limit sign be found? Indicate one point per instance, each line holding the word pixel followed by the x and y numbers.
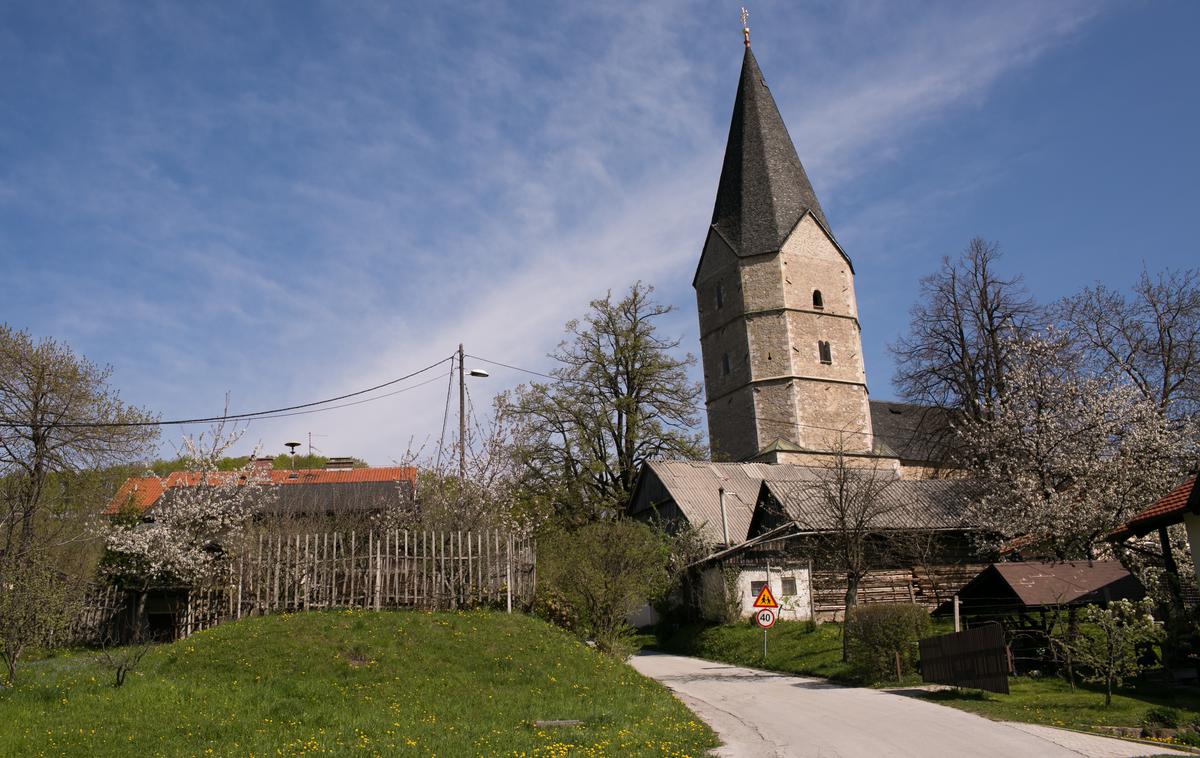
pixel 765 618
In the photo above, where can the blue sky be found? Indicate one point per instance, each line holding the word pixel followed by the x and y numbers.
pixel 289 201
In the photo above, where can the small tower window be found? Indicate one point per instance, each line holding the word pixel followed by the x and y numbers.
pixel 725 364
pixel 826 353
pixel 818 301
pixel 720 295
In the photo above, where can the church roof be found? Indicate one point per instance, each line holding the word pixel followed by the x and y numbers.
pixel 764 190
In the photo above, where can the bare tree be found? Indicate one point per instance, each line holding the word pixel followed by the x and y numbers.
pixel 123 658
pixel 956 352
pixel 845 510
pixel 1151 337
pixel 619 397
pixel 487 494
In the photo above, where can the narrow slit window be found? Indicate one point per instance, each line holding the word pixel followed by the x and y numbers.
pixel 725 364
pixel 826 353
pixel 720 295
pixel 818 301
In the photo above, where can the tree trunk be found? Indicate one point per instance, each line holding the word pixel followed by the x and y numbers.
pixel 851 602
pixel 1072 636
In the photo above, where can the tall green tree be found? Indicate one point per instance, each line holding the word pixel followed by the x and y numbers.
pixel 61 425
pixel 619 397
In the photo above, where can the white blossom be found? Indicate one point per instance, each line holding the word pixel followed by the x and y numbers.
pixel 1069 455
pixel 196 525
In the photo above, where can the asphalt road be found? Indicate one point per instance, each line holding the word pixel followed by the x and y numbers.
pixel 760 714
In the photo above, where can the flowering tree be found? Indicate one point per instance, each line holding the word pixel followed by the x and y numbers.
pixel 192 528
pixel 1068 455
pixel 1108 646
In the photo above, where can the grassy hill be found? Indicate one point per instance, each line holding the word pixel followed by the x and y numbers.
pixel 352 683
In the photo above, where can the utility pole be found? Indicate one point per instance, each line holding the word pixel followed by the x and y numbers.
pixel 462 417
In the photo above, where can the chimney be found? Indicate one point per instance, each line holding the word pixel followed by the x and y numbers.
pixel 339 462
pixel 263 465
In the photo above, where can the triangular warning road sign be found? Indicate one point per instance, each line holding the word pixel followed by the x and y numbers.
pixel 765 599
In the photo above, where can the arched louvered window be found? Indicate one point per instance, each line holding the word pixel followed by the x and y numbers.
pixel 818 301
pixel 825 352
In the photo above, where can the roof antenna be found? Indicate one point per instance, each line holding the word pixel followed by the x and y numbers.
pixel 746 25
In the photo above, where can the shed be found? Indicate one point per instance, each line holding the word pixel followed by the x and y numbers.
pixel 1004 588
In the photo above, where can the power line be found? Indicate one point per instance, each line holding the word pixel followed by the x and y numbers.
pixel 253 415
pixel 927 436
pixel 356 402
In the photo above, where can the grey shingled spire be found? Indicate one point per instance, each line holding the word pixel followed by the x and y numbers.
pixel 763 190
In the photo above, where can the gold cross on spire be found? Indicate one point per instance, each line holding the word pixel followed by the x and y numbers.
pixel 746 25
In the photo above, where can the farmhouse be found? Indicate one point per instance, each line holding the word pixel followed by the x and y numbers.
pixel 786 391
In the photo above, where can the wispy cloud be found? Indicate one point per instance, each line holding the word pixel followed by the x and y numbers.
pixel 341 201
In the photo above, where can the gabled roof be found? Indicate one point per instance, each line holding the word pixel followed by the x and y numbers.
pixel 694 487
pixel 144 492
pixel 1036 583
pixel 764 190
pixel 911 432
pixel 900 503
pixel 1169 509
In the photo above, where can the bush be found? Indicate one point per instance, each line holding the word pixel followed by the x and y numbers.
pixel 1163 716
pixel 602 573
pixel 877 633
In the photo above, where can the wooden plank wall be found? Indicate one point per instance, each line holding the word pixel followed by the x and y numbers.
pixel 929 586
pixel 373 570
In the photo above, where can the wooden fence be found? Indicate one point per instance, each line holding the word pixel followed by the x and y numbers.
pixel 371 570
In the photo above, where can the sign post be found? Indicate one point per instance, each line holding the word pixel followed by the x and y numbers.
pixel 765 615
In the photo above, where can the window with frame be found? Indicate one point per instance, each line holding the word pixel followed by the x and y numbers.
pixel 756 588
pixel 818 301
pixel 825 352
pixel 789 585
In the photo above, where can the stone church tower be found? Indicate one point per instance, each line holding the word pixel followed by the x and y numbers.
pixel 779 331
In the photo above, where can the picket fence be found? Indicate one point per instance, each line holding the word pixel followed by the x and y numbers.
pixel 374 570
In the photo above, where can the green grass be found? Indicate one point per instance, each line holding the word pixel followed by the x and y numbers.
pixel 1050 700
pixel 352 683
pixel 793 647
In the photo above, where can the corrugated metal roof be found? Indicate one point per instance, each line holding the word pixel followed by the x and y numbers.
pixel 898 504
pixel 695 488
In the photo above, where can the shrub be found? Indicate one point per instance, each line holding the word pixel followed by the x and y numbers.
pixel 875 634
pixel 604 572
pixel 1163 716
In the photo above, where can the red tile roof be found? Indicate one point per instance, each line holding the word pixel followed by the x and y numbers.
pixel 1168 510
pixel 143 492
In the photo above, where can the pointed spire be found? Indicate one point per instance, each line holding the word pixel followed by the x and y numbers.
pixel 763 190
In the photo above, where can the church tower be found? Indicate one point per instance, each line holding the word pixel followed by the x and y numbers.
pixel 779 331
